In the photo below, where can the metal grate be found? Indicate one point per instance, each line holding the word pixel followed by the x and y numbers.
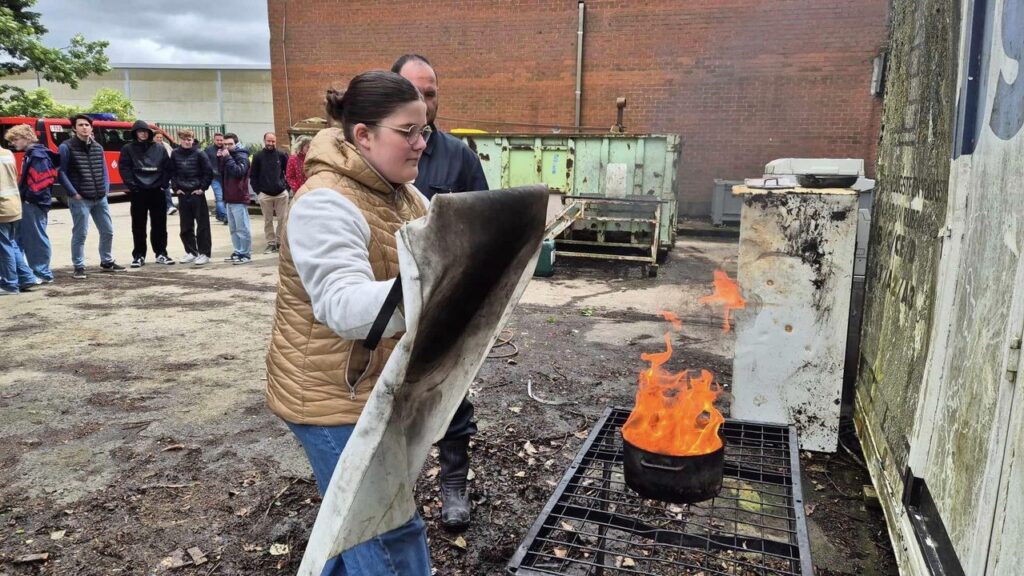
pixel 595 525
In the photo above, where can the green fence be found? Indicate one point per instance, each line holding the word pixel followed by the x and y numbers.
pixel 204 132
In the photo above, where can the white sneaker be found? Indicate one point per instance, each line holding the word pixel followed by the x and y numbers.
pixel 188 259
pixel 201 259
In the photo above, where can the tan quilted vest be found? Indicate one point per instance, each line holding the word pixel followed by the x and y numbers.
pixel 315 376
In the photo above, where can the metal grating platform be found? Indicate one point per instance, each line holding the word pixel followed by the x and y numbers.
pixel 595 525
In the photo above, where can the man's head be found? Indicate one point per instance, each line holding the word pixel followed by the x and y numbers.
pixel 417 69
pixel 269 141
pixel 21 136
pixel 230 140
pixel 82 126
pixel 186 137
pixel 218 140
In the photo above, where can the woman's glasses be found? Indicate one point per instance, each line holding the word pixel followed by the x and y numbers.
pixel 412 132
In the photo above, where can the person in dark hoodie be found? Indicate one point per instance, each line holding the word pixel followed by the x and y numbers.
pixel 269 167
pixel 191 174
pixel 233 165
pixel 38 175
pixel 143 165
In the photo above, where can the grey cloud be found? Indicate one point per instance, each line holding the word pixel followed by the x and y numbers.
pixel 178 32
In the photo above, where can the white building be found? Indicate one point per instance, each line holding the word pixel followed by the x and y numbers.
pixel 238 96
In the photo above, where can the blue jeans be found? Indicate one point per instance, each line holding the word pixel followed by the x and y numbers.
pixel 400 552
pixel 81 211
pixel 34 241
pixel 14 272
pixel 167 199
pixel 238 224
pixel 218 194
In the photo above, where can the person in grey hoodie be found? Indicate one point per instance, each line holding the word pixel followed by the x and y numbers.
pixel 144 170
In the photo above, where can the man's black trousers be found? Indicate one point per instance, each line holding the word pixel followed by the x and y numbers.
pixel 152 203
pixel 194 213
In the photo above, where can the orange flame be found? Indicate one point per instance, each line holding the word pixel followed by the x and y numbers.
pixel 674 413
pixel 677 324
pixel 727 293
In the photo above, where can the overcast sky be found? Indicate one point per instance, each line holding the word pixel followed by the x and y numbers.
pixel 164 32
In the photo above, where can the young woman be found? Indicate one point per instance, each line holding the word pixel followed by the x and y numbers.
pixel 338 261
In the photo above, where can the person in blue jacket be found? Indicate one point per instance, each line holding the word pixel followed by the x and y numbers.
pixel 35 183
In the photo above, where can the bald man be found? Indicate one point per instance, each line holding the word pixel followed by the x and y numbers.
pixel 447 165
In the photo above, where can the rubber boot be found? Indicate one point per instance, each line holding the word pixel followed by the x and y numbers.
pixel 454 478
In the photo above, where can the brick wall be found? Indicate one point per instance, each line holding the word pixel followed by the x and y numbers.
pixel 743 81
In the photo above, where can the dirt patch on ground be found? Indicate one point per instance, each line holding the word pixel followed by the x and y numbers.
pixel 134 421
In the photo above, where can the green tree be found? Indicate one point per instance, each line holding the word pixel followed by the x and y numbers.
pixel 39 103
pixel 110 100
pixel 22 50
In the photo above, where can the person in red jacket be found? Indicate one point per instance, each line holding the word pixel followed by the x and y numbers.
pixel 295 175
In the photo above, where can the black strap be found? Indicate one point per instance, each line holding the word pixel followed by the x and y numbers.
pixel 387 310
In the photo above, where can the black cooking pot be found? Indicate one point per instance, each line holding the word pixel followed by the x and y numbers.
pixel 676 479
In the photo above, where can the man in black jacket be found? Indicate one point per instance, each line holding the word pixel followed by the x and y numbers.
pixel 143 166
pixel 268 180
pixel 447 165
pixel 190 173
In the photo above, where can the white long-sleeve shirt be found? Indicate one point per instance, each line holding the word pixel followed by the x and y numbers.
pixel 329 240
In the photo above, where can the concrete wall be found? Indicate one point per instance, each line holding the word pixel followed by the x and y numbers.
pixel 743 81
pixel 240 98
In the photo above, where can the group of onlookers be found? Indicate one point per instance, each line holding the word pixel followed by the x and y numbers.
pixel 153 172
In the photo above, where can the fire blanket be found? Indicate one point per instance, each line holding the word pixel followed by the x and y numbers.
pixel 463 267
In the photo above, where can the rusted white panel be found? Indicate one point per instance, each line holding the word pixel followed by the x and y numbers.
pixel 795 269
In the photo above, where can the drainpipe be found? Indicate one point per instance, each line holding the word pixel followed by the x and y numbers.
pixel 579 64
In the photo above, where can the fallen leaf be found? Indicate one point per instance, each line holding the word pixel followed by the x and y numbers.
pixel 628 562
pixel 242 512
pixel 809 509
pixel 427 511
pixel 251 547
pixel 198 557
pixel 548 463
pixel 175 560
pixel 582 434
pixel 433 472
pixel 460 542
pixel 520 474
pixel 174 447
pixel 515 409
pixel 41 557
pixel 530 448
pixel 471 474
pixel 278 549
pixel 57 535
pixel 568 527
pixel 561 552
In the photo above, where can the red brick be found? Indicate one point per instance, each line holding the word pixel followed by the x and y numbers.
pixel 743 81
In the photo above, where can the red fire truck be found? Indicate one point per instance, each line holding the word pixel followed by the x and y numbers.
pixel 111 134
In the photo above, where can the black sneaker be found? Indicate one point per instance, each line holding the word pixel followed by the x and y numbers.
pixel 112 267
pixel 164 259
pixel 243 259
pixel 138 262
pixel 80 273
pixel 232 258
